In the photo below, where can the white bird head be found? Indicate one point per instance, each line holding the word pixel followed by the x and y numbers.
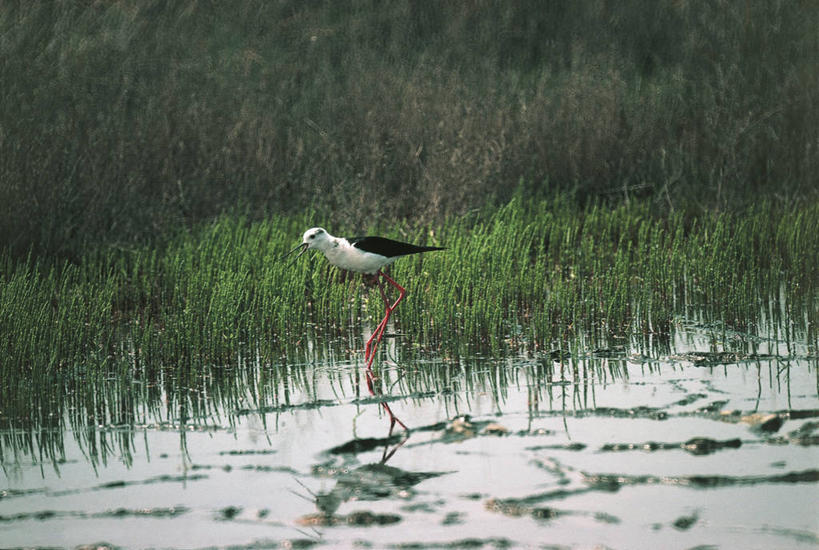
pixel 315 237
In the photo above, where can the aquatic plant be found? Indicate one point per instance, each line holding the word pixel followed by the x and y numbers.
pixel 534 274
pixel 214 315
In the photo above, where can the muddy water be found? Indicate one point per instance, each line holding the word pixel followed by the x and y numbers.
pixel 708 439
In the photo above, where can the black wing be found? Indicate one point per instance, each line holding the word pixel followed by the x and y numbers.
pixel 388 247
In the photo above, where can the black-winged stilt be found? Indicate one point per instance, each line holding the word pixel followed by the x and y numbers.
pixel 361 254
pixel 367 255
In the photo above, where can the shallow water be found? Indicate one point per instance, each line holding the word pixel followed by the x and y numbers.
pixel 707 438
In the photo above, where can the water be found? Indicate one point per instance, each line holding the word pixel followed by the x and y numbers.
pixel 706 438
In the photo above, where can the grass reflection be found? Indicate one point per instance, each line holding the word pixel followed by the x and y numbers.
pixel 110 412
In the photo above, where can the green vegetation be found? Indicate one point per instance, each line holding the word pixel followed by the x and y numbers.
pixel 122 120
pixel 525 274
pixel 105 339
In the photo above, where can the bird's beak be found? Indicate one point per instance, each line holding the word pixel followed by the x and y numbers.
pixel 303 247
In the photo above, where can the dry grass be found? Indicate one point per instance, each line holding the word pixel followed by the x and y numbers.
pixel 122 120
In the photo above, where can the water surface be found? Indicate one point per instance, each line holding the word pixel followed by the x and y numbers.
pixel 701 438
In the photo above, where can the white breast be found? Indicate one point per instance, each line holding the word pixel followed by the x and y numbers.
pixel 350 258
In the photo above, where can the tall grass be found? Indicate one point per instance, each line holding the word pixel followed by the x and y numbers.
pixel 525 274
pixel 122 120
pixel 548 271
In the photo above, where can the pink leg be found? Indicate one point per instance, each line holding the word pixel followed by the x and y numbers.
pixel 369 349
pixel 379 330
pixel 377 335
pixel 400 288
pixel 393 419
pixel 390 308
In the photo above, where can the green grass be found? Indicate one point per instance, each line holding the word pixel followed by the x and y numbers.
pixel 525 275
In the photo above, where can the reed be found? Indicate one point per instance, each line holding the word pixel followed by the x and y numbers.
pixel 124 119
pixel 530 274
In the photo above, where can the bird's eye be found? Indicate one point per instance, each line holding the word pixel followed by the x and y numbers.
pixel 312 236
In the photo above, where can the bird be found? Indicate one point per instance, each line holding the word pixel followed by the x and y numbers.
pixel 367 255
